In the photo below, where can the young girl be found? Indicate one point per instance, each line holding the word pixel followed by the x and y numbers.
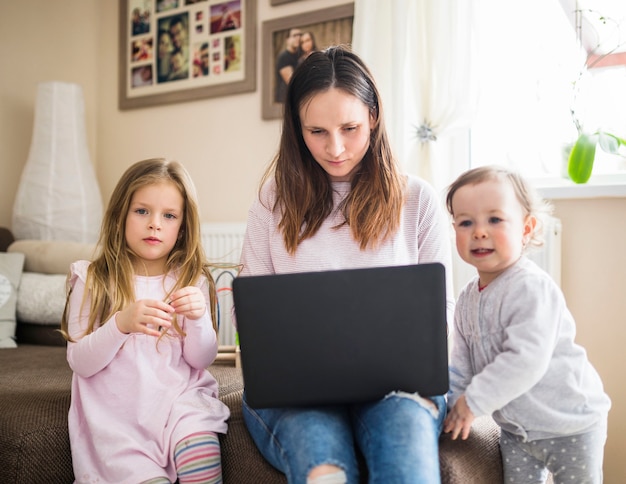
pixel 140 330
pixel 514 355
pixel 334 198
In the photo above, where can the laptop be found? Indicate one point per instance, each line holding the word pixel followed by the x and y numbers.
pixel 342 336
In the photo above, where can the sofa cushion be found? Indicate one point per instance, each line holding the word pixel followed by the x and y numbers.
pixel 41 298
pixel 10 275
pixel 51 256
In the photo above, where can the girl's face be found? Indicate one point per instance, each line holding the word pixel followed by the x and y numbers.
pixel 491 227
pixel 153 222
pixel 336 128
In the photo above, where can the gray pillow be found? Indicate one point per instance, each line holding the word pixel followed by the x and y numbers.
pixel 41 298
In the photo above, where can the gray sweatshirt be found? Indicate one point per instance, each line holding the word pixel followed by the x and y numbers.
pixel 514 357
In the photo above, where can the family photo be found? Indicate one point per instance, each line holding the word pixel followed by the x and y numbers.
pixel 288 41
pixel 179 49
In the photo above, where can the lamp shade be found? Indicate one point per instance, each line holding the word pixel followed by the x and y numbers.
pixel 58 197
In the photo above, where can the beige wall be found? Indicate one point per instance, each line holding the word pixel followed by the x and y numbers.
pixel 223 141
pixel 41 41
pixel 225 145
pixel 594 283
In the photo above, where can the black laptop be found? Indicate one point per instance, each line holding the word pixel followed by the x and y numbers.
pixel 342 336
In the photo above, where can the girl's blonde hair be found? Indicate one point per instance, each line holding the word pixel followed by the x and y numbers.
pixel 109 283
pixel 532 204
pixel 304 193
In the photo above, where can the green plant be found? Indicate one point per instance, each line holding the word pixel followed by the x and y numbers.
pixel 583 154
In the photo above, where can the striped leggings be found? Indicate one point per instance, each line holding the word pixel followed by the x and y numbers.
pixel 197 460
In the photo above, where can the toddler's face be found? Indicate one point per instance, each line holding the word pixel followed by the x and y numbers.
pixel 491 227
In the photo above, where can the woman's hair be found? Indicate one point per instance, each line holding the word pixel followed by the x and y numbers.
pixel 304 193
pixel 109 285
pixel 532 204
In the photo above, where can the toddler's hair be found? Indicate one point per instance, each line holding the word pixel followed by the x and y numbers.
pixel 529 199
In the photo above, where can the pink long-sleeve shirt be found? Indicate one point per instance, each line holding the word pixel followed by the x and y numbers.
pixel 133 400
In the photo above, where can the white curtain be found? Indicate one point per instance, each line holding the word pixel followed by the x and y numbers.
pixel 420 52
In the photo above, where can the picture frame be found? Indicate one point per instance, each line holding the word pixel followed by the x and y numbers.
pixel 329 26
pixel 174 51
pixel 273 3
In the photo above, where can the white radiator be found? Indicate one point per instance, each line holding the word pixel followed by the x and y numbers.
pixel 222 244
pixel 548 257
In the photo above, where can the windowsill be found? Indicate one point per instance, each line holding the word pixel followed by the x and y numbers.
pixel 598 186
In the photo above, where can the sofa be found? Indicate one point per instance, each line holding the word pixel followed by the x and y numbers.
pixel 35 383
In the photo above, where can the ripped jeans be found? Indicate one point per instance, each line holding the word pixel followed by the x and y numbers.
pixel 398 436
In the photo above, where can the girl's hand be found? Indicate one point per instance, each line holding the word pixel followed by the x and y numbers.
pixel 189 302
pixel 146 316
pixel 459 419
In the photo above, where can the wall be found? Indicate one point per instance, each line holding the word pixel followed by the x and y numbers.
pixel 594 283
pixel 225 144
pixel 223 141
pixel 41 41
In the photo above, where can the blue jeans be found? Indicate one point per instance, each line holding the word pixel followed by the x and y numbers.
pixel 398 436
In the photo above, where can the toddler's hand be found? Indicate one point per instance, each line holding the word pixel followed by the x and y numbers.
pixel 189 302
pixel 145 316
pixel 459 419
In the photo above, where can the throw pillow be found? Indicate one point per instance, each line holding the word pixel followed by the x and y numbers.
pixel 11 266
pixel 51 256
pixel 41 298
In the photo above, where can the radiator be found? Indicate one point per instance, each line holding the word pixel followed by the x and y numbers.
pixel 548 257
pixel 222 244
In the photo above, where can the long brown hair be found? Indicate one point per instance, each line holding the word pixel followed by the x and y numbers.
pixel 109 282
pixel 304 193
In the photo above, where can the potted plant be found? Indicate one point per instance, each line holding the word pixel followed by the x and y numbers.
pixel 583 153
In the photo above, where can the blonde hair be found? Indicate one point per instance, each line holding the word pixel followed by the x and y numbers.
pixel 532 204
pixel 109 283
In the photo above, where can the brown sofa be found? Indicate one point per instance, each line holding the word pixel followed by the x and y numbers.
pixel 35 397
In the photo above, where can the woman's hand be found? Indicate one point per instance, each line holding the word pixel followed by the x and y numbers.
pixel 189 302
pixel 459 419
pixel 148 316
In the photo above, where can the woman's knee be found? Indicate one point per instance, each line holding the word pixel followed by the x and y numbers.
pixel 327 474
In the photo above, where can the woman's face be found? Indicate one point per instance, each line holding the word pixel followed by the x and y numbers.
pixel 165 45
pixel 336 128
pixel 306 43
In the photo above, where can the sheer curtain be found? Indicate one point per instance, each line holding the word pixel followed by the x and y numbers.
pixel 420 52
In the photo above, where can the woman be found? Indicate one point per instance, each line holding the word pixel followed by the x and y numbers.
pixel 334 198
pixel 307 45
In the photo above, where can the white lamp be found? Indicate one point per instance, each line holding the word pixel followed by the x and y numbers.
pixel 58 197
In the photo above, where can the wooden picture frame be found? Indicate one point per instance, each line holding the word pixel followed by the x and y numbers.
pixel 181 50
pixel 330 26
pixel 273 3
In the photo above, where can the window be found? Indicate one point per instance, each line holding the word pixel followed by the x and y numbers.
pixel 531 74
